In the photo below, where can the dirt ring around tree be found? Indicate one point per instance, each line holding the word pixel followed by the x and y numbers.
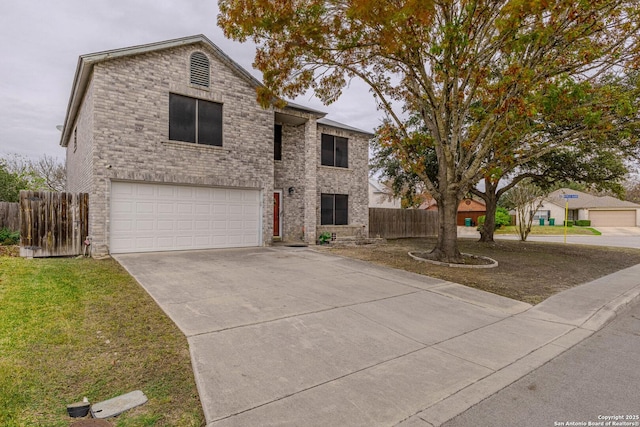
pixel 471 261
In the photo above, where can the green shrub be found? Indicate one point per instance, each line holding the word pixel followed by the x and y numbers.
pixel 324 238
pixel 568 223
pixel 583 223
pixel 502 217
pixel 9 237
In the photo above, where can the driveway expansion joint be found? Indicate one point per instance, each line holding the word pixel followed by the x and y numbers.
pixel 453 381
pixel 319 385
pixel 308 313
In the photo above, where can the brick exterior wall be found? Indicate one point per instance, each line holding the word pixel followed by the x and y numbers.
pixel 353 181
pixel 290 173
pixel 79 155
pixel 131 132
pixel 300 169
pixel 123 135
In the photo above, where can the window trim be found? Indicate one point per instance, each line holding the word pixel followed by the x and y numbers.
pixel 333 162
pixel 220 135
pixel 344 198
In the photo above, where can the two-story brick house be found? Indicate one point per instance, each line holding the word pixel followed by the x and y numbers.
pixel 175 153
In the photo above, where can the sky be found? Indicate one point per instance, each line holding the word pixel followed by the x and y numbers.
pixel 40 42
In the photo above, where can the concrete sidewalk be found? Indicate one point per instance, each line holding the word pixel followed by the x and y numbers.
pixel 284 336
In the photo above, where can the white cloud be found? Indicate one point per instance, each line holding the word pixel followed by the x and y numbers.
pixel 40 43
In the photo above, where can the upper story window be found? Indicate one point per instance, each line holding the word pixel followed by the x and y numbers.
pixel 195 120
pixel 277 142
pixel 334 151
pixel 199 69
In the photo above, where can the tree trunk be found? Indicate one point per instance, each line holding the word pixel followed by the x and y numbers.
pixel 446 249
pixel 491 204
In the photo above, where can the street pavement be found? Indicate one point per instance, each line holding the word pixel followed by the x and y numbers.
pixel 289 336
pixel 625 237
pixel 592 383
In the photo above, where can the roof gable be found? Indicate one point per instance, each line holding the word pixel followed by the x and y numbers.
pixel 472 205
pixel 586 201
pixel 87 62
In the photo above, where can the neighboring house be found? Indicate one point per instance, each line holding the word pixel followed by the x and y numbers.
pixel 472 209
pixel 602 211
pixel 468 208
pixel 381 196
pixel 175 153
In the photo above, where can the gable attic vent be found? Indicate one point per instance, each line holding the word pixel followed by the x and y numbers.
pixel 199 69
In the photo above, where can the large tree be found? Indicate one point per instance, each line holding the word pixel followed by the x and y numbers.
pixel 468 68
pixel 632 190
pixel 45 173
pixel 600 169
pixel 583 131
pixel 11 184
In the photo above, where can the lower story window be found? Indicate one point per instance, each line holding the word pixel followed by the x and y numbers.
pixel 334 209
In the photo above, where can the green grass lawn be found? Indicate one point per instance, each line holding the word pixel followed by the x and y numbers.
pixel 550 231
pixel 71 328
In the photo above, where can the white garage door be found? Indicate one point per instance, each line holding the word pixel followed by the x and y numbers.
pixel 158 217
pixel 613 218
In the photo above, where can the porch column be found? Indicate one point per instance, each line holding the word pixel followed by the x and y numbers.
pixel 310 180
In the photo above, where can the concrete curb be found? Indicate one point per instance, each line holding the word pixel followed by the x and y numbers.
pixel 492 262
pixel 611 310
pixel 473 394
pixel 381 346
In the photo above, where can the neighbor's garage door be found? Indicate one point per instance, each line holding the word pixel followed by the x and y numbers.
pixel 612 218
pixel 158 217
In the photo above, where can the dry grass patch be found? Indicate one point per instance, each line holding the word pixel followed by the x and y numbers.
pixel 79 327
pixel 527 271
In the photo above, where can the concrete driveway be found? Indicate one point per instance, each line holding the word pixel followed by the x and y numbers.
pixel 290 336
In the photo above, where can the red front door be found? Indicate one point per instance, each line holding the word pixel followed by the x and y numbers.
pixel 276 214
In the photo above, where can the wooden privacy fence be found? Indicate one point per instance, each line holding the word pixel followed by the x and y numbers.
pixel 53 224
pixel 397 223
pixel 10 216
